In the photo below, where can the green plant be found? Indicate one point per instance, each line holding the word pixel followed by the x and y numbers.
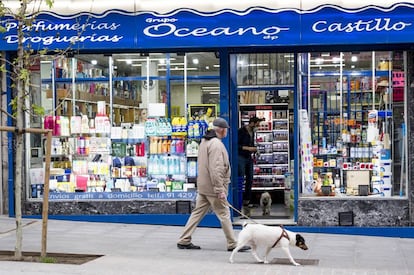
pixel 48 260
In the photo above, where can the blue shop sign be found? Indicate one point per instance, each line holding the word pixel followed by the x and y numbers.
pixel 86 31
pixel 185 28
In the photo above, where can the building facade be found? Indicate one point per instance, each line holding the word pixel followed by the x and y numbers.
pixel 134 87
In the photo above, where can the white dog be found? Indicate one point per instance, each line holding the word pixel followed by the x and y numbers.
pixel 259 235
pixel 266 203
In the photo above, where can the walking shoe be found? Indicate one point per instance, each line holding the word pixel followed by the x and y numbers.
pixel 243 249
pixel 188 246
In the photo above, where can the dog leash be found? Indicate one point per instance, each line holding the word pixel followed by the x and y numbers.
pixel 238 211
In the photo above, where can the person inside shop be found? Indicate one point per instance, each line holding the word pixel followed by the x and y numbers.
pixel 246 149
pixel 212 185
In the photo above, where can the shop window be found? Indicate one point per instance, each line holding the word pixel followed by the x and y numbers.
pixel 122 131
pixel 203 64
pixel 264 78
pixel 355 107
pixel 265 69
pixel 202 80
pixel 176 65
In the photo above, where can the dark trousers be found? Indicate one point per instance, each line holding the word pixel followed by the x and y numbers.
pixel 245 169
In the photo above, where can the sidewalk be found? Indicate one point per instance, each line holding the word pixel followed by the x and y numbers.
pixel 151 249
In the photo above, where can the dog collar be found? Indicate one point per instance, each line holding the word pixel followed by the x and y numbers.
pixel 284 234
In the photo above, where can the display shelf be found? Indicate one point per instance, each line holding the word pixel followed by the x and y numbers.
pixel 125 110
pixel 269 176
pixel 341 106
pixel 334 111
pixel 268 188
pixel 271 161
pixel 66 94
pixel 78 92
pixel 84 172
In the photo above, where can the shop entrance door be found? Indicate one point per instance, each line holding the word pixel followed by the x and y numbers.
pixel 265 89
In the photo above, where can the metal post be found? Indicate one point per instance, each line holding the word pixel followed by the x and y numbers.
pixel 45 209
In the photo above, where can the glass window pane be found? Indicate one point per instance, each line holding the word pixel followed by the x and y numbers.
pixel 203 64
pixel 356 116
pixel 176 65
pixel 80 82
pixel 265 69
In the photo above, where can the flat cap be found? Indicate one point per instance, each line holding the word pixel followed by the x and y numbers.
pixel 220 122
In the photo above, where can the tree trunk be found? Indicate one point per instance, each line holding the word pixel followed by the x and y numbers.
pixel 20 81
pixel 18 195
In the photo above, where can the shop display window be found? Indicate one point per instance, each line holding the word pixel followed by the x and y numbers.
pixel 121 124
pixel 355 107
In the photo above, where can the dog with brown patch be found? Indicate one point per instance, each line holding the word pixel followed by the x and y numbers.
pixel 265 203
pixel 259 235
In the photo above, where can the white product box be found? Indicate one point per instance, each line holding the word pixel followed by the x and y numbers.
pixel 381 189
pixel 386 190
pixel 386 180
pixel 386 167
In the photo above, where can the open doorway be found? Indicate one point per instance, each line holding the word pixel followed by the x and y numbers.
pixel 265 89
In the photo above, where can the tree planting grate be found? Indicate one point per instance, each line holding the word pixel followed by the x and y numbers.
pixel 52 258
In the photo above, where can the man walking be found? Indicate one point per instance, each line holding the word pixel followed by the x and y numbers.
pixel 212 186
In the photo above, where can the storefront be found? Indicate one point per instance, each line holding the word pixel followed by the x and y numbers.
pixel 130 99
